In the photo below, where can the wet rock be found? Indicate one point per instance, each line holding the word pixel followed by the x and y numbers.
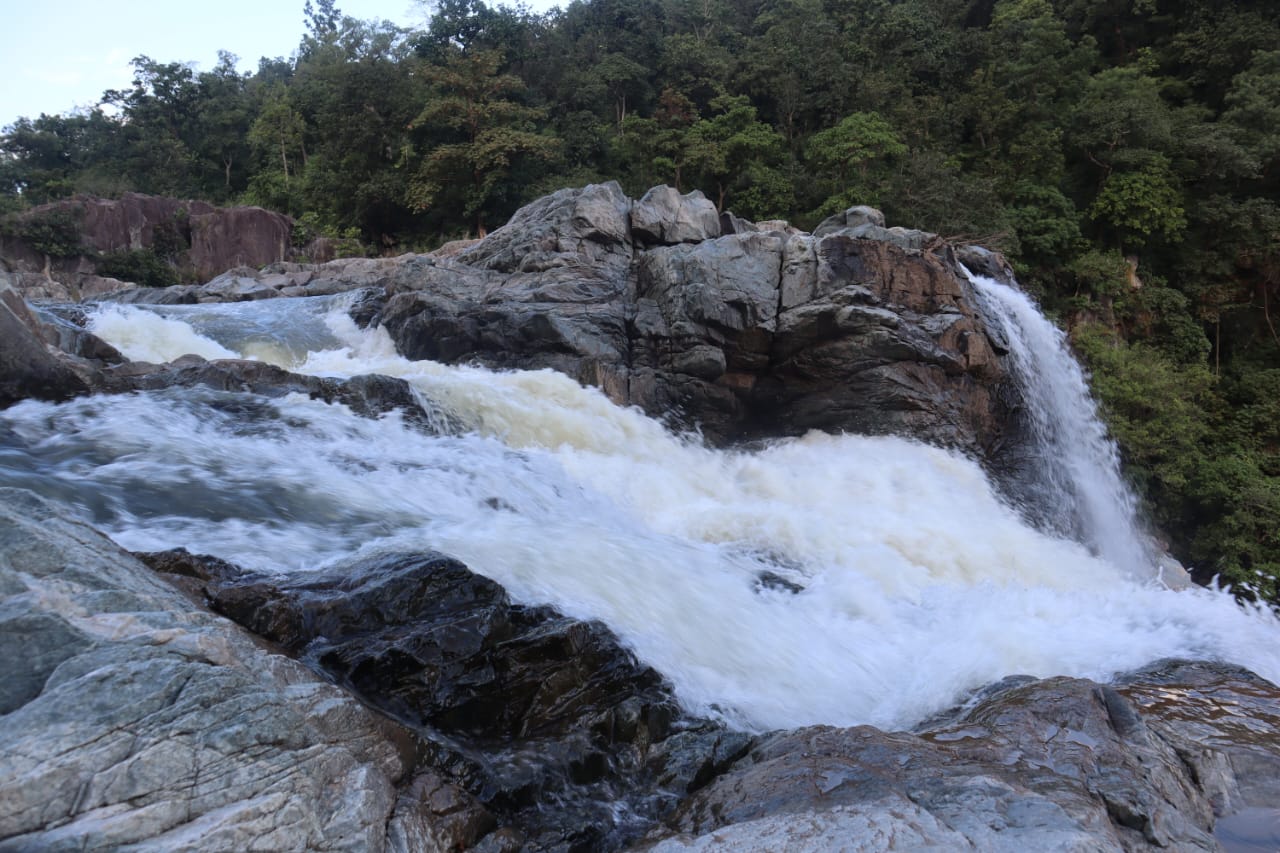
pixel 759 332
pixel 130 719
pixel 369 396
pixel 1223 721
pixel 29 368
pixel 539 728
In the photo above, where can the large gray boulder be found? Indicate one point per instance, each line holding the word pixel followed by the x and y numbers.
pixel 662 215
pixel 130 718
pixel 1055 765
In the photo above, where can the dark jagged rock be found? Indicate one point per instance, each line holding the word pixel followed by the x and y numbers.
pixel 369 396
pixel 538 726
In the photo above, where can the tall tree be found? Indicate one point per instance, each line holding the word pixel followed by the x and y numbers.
pixel 486 134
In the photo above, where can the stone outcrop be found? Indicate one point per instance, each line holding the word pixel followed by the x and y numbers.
pixel 737 329
pixel 29 367
pixel 215 238
pixel 753 333
pixel 130 719
pixel 664 216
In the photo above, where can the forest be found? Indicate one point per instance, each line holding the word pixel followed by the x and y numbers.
pixel 1123 154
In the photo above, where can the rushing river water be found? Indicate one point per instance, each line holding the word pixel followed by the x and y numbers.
pixel 916 583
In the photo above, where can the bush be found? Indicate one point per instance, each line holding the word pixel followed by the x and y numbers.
pixel 55 233
pixel 139 266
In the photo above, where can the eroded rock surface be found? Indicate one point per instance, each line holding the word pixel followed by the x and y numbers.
pixel 213 238
pixel 130 718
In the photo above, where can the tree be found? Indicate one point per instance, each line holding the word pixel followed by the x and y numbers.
pixel 1140 204
pixel 735 155
pixel 847 152
pixel 487 135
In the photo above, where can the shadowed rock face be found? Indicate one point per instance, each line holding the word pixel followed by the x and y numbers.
pixel 28 367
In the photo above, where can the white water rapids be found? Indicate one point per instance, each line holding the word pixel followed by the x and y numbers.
pixel 919 584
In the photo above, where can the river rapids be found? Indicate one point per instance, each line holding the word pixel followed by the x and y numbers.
pixel 826 579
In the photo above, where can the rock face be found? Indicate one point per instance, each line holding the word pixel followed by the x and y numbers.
pixel 539 732
pixel 128 718
pixel 753 333
pixel 131 718
pixel 1055 765
pixel 217 238
pixel 28 367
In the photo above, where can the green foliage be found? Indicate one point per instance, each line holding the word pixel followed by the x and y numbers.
pixel 138 266
pixel 1142 204
pixel 487 135
pixel 54 232
pixel 1101 272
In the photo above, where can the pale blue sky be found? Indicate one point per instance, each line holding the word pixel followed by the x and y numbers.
pixel 62 54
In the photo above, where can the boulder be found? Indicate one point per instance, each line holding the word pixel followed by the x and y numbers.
pixel 664 216
pixel 237 236
pixel 586 229
pixel 131 719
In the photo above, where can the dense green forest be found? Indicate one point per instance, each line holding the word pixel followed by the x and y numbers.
pixel 1124 154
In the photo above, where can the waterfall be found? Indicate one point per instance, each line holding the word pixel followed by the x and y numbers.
pixel 1075 468
pixel 827 579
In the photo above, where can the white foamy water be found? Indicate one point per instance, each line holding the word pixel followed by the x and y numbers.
pixel 918 583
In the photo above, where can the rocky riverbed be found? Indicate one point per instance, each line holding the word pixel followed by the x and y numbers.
pixel 399 701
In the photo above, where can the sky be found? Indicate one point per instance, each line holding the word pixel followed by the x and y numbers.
pixel 62 54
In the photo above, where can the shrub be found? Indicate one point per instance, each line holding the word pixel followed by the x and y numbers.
pixel 140 266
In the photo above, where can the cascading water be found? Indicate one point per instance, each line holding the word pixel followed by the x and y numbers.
pixel 916 583
pixel 1077 481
